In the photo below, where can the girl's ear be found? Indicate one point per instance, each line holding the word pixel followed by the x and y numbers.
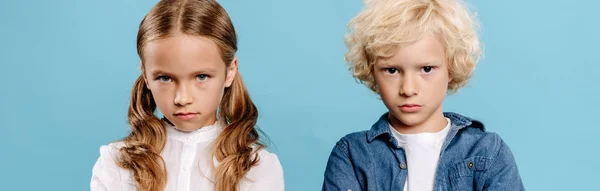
pixel 144 75
pixel 232 71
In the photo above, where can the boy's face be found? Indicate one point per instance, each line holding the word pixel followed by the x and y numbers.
pixel 413 83
pixel 187 78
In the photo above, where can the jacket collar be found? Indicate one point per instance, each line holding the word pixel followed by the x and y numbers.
pixel 457 121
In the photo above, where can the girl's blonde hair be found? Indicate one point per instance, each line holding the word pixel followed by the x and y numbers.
pixel 237 145
pixel 385 25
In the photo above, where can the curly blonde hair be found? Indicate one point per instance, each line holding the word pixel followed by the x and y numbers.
pixel 385 25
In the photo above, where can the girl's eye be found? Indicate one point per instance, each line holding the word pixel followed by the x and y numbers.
pixel 391 70
pixel 202 77
pixel 427 69
pixel 164 78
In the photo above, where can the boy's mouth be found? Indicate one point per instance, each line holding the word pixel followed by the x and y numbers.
pixel 410 108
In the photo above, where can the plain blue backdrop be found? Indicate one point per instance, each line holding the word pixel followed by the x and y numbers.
pixel 68 67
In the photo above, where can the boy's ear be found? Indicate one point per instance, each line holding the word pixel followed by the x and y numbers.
pixel 232 71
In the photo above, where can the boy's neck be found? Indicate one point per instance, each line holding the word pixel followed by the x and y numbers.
pixel 435 123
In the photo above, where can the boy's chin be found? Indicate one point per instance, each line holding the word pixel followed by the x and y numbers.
pixel 409 119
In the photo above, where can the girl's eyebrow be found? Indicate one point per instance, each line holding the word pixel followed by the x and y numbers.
pixel 205 70
pixel 158 72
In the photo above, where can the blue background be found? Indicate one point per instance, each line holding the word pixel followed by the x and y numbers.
pixel 68 66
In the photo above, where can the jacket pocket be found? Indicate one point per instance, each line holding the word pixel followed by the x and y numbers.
pixel 465 174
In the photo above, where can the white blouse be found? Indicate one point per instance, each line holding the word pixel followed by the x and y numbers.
pixel 188 164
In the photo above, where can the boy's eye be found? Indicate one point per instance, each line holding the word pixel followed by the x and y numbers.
pixel 391 70
pixel 201 77
pixel 427 69
pixel 164 78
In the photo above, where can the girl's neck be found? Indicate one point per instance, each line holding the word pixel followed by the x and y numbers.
pixel 209 123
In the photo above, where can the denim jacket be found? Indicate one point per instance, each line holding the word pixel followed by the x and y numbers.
pixel 470 159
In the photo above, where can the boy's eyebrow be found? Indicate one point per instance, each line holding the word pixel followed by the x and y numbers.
pixel 420 64
pixel 385 64
pixel 433 62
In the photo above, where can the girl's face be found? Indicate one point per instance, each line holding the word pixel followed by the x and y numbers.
pixel 187 78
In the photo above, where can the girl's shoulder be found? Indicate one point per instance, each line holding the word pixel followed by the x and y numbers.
pixel 110 152
pixel 268 158
pixel 106 174
pixel 266 175
pixel 112 147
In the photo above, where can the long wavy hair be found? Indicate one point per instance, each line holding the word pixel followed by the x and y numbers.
pixel 236 146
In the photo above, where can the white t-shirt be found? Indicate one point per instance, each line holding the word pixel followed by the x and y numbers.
pixel 189 165
pixel 422 156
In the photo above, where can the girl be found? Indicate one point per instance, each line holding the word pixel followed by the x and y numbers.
pixel 189 71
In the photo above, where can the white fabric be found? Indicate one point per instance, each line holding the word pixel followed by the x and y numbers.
pixel 189 165
pixel 422 156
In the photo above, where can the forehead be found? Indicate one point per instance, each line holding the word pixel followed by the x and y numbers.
pixel 427 49
pixel 182 53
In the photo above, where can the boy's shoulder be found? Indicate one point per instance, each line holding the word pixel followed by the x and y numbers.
pixel 472 135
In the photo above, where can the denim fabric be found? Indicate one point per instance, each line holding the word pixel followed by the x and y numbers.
pixel 471 159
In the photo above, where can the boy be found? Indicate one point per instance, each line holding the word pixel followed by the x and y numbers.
pixel 412 53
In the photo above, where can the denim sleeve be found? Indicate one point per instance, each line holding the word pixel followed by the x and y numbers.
pixel 503 174
pixel 339 174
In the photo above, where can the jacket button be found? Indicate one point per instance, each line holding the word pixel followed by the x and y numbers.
pixel 471 165
pixel 391 140
pixel 402 166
